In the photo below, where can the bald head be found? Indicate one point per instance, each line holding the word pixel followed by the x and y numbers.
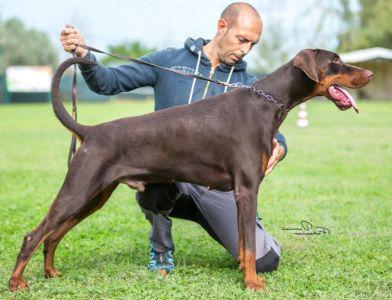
pixel 236 11
pixel 239 29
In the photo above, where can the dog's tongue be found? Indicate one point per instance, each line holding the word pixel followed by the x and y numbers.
pixel 344 97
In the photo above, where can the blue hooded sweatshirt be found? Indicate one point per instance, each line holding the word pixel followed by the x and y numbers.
pixel 170 89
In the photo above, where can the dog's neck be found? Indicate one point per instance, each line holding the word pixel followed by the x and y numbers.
pixel 288 84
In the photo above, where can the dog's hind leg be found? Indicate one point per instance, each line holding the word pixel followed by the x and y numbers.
pixel 54 239
pixel 31 242
pixel 86 178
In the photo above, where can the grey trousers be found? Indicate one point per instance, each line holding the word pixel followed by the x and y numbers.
pixel 214 210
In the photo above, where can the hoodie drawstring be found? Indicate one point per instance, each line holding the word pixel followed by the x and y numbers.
pixel 194 79
pixel 228 78
pixel 208 83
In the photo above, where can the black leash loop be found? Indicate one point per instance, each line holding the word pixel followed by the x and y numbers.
pixel 72 148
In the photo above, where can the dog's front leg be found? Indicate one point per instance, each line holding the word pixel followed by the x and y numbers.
pixel 247 206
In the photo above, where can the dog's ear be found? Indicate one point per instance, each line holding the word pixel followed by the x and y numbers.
pixel 307 61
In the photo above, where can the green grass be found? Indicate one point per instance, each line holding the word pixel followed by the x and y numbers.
pixel 338 174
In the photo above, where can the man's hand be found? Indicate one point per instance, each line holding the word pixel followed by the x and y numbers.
pixel 70 37
pixel 277 154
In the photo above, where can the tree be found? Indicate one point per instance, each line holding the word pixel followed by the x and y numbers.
pixel 133 49
pixel 372 26
pixel 273 50
pixel 272 53
pixel 21 46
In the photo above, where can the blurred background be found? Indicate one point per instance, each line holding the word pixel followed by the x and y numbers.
pixel 359 30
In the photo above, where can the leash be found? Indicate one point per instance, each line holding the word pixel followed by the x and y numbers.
pixel 230 85
pixel 72 148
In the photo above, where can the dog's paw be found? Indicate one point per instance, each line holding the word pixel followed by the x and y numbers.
pixel 255 283
pixel 17 284
pixel 52 273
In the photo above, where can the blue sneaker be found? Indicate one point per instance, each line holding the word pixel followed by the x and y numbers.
pixel 161 262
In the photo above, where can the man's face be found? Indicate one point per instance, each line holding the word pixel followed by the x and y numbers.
pixel 237 40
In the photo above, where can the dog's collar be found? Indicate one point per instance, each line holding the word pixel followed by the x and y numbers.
pixel 261 93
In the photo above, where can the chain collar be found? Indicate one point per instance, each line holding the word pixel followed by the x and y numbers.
pixel 260 93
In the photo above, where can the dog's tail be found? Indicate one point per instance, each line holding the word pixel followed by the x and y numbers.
pixel 58 107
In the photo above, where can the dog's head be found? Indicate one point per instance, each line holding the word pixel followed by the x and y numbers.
pixel 331 74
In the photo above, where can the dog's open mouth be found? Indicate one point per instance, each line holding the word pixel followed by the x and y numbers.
pixel 342 98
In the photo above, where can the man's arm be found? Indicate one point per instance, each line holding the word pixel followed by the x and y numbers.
pixel 114 80
pixel 107 80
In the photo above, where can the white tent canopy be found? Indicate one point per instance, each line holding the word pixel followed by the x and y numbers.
pixel 366 55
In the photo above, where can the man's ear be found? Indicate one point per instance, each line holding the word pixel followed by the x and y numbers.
pixel 222 26
pixel 307 61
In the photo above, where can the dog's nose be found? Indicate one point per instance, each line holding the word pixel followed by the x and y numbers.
pixel 369 74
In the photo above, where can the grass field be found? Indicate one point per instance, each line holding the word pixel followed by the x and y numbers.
pixel 338 174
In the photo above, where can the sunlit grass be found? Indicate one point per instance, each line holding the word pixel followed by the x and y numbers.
pixel 337 174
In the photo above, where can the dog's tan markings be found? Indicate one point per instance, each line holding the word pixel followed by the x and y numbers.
pixel 241 254
pixel 19 270
pixel 355 79
pixel 252 281
pixel 16 282
pixel 322 87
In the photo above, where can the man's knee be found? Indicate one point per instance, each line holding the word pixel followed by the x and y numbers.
pixel 268 263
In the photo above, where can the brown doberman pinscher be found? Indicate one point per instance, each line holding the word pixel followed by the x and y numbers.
pixel 223 142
